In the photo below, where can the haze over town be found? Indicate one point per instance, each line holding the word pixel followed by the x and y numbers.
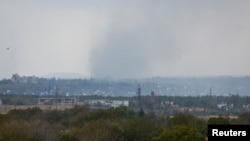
pixel 125 39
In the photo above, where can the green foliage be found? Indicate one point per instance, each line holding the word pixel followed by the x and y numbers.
pixel 218 120
pixel 68 117
pixel 24 113
pixel 140 129
pixel 122 123
pixel 102 130
pixel 180 133
pixel 182 118
pixel 54 117
pixel 121 112
pixel 188 119
pixel 244 118
pixel 21 130
pixel 68 135
pixel 141 112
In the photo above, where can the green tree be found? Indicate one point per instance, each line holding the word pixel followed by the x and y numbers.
pixel 25 114
pixel 139 129
pixel 101 130
pixel 180 133
pixel 21 130
pixel 69 135
pixel 188 119
pixel 218 120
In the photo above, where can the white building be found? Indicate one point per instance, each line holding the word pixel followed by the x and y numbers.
pixel 108 103
pixel 117 103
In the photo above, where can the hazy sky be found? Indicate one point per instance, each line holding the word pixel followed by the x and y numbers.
pixel 125 38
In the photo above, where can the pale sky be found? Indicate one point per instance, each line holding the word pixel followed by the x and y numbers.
pixel 125 38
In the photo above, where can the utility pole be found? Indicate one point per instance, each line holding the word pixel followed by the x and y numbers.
pixel 139 96
pixel 141 111
pixel 228 108
pixel 210 92
pixel 56 99
pixel 152 99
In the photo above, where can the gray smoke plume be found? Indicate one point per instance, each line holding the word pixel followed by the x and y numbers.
pixel 174 38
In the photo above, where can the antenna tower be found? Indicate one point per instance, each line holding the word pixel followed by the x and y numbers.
pixel 139 95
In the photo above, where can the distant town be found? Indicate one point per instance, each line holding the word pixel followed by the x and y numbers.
pixel 162 86
pixel 165 96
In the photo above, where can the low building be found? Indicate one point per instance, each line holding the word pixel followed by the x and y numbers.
pixel 107 103
pixel 50 101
